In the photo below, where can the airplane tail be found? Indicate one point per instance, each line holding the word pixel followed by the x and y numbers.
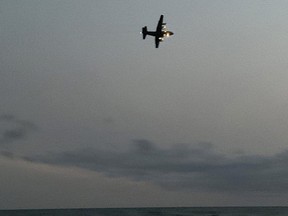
pixel 144 32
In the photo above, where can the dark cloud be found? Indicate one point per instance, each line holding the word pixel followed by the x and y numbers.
pixel 187 167
pixel 7 154
pixel 7 117
pixel 13 129
pixel 13 134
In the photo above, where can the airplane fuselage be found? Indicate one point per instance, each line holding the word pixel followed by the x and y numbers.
pixel 161 34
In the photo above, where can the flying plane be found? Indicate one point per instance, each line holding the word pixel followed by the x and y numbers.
pixel 160 33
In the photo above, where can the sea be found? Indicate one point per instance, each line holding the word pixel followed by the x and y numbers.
pixel 177 211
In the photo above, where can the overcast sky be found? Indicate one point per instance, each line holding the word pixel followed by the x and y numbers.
pixel 92 115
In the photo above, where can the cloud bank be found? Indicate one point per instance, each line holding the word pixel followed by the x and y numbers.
pixel 182 167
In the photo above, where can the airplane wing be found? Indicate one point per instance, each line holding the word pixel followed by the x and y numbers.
pixel 160 22
pixel 157 42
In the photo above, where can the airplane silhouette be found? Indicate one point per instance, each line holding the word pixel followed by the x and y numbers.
pixel 160 33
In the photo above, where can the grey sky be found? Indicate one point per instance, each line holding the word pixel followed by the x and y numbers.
pixel 86 103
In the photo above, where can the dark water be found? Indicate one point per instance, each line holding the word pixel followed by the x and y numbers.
pixel 210 211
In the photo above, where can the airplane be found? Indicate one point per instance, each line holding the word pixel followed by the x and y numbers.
pixel 160 33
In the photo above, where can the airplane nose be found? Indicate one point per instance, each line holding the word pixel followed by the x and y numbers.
pixel 169 33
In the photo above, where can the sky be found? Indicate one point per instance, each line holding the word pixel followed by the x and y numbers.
pixel 94 116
